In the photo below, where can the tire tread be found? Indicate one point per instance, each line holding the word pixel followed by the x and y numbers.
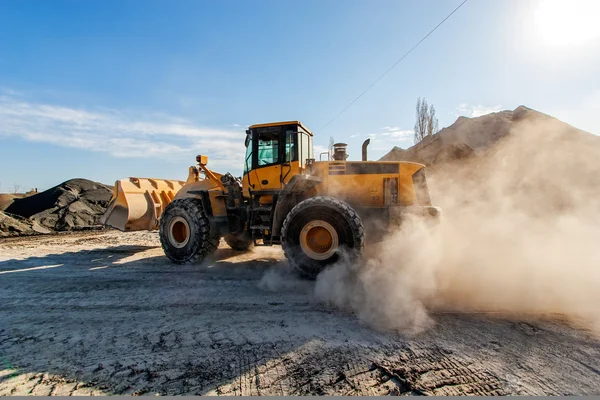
pixel 205 243
pixel 348 212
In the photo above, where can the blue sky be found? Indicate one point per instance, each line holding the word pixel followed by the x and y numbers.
pixel 109 89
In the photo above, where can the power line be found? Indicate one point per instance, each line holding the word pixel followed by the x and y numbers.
pixel 393 65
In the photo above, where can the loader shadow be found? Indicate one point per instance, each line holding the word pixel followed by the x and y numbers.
pixel 73 260
pixel 224 260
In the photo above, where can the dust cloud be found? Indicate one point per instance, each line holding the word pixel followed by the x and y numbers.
pixel 283 279
pixel 520 235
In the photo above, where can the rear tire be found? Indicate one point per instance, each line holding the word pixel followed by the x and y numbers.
pixel 317 231
pixel 184 232
pixel 238 242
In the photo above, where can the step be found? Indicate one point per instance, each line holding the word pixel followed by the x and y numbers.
pixel 262 208
pixel 261 227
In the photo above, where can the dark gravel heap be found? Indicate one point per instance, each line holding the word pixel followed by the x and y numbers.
pixel 74 204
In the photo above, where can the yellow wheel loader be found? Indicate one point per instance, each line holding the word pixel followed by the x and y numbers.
pixel 316 210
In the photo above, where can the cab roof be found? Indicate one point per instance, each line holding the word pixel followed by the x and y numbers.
pixel 281 124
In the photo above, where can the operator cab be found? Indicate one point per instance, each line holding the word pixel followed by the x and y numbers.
pixel 275 152
pixel 277 143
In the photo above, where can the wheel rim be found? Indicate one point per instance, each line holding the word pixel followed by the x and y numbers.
pixel 319 240
pixel 179 232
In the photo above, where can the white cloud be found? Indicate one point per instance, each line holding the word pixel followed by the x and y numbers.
pixel 396 133
pixel 469 110
pixel 318 149
pixel 391 134
pixel 117 133
pixel 388 137
pixel 10 92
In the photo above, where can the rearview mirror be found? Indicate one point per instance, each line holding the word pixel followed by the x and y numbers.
pixel 247 138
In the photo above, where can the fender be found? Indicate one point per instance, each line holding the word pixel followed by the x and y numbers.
pixel 286 199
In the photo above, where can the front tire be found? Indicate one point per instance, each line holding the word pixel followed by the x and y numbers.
pixel 185 233
pixel 317 231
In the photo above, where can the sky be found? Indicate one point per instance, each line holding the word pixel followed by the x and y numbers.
pixel 104 90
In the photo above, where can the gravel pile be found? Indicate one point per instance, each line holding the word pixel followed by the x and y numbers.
pixel 12 225
pixel 72 205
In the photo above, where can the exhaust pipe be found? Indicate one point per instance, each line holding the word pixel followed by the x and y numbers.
pixel 364 149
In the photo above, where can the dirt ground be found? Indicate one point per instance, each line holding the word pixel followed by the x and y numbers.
pixel 106 313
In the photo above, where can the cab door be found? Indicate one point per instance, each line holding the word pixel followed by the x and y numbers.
pixel 271 158
pixel 262 166
pixel 267 169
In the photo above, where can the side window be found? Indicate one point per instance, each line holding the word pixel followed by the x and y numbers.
pixel 290 147
pixel 304 148
pixel 268 148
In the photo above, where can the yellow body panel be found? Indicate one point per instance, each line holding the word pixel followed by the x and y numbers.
pixel 274 175
pixel 217 202
pixel 364 189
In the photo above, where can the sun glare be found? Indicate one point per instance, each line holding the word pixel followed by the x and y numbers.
pixel 567 22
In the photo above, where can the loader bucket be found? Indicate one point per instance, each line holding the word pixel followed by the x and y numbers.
pixel 137 203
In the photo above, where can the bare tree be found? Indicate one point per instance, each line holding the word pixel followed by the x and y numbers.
pixel 432 122
pixel 421 122
pixel 17 187
pixel 426 122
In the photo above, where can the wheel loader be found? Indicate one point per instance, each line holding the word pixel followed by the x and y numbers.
pixel 316 210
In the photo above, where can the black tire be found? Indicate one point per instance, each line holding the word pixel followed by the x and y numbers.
pixel 238 242
pixel 197 242
pixel 338 215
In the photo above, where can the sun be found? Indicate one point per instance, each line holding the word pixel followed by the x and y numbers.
pixel 567 22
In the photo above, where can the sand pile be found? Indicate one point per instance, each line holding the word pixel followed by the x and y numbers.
pixel 6 200
pixel 469 137
pixel 74 204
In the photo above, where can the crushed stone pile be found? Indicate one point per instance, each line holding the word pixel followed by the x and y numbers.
pixel 72 205
pixel 13 225
pixel 472 137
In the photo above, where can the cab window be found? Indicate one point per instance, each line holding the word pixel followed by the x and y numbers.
pixel 268 148
pixel 290 146
pixel 305 148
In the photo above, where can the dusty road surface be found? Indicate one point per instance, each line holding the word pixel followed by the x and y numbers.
pixel 106 313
